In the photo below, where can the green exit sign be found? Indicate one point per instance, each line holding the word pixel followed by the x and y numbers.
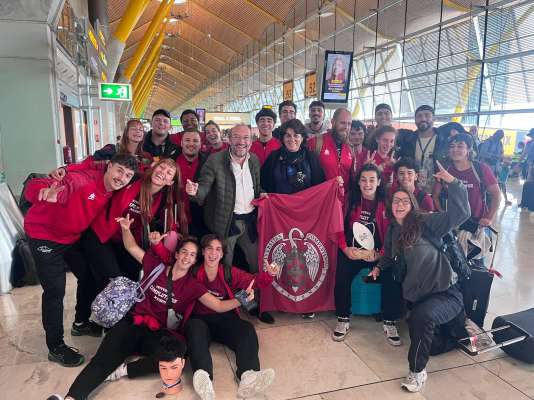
pixel 115 91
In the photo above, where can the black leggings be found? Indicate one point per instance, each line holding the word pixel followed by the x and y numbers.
pixel 346 270
pixel 228 329
pixel 122 341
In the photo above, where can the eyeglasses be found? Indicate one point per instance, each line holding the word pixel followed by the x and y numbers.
pixel 404 202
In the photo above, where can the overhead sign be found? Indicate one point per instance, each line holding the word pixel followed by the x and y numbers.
pixel 336 76
pixel 310 84
pixel 288 90
pixel 115 91
pixel 228 119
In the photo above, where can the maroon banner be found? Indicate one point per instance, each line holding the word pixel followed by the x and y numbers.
pixel 299 232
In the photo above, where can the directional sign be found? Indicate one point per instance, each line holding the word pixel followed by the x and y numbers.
pixel 115 91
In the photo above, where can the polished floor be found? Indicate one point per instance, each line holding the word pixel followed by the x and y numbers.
pixel 309 365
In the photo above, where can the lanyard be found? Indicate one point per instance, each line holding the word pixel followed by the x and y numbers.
pixel 423 151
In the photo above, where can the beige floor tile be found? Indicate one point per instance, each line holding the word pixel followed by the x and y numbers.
pixel 390 390
pixel 307 361
pixel 469 382
pixel 386 361
pixel 516 373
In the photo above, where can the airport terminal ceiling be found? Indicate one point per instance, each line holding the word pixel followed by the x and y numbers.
pixel 234 55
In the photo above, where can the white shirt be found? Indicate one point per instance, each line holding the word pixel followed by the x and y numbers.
pixel 244 187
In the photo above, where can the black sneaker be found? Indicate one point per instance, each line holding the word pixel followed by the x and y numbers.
pixel 266 317
pixel 87 328
pixel 309 315
pixel 66 356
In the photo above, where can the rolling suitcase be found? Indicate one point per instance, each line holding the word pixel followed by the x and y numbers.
pixel 477 289
pixel 513 333
pixel 527 198
pixel 366 297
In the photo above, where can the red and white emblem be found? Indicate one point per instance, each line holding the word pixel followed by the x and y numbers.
pixel 303 262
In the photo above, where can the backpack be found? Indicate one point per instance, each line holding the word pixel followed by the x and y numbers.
pixel 119 296
pixel 24 204
pixel 23 270
pixel 448 244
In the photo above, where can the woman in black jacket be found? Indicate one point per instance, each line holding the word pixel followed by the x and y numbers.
pixel 429 285
pixel 293 167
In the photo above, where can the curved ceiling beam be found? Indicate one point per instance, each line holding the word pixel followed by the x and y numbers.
pixel 183 77
pixel 170 80
pixel 190 58
pixel 242 32
pixel 211 38
pixel 201 49
pixel 169 65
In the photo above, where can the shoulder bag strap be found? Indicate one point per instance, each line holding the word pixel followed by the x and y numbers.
pixel 148 281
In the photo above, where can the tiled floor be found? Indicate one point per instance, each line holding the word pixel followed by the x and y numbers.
pixel 309 365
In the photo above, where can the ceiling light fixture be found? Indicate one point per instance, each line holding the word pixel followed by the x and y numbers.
pixel 326 14
pixel 299 30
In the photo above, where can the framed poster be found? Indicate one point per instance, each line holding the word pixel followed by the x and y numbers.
pixel 336 76
pixel 288 90
pixel 310 84
pixel 201 112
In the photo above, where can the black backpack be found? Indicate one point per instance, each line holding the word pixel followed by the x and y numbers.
pixel 448 244
pixel 24 204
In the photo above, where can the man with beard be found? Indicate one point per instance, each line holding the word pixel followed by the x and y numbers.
pixel 425 146
pixel 287 110
pixel 332 148
pixel 266 143
pixel 317 125
pixel 190 162
pixel 157 141
pixel 227 184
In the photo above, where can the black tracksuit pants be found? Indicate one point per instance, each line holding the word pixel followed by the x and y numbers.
pixel 228 329
pixel 346 270
pixel 435 323
pixel 121 341
pixel 52 261
pixel 100 262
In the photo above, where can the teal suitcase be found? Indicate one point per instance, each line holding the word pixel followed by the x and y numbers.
pixel 366 297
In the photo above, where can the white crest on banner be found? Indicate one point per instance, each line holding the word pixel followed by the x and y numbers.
pixel 299 256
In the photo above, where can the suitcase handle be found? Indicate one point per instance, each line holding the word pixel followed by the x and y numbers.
pixel 466 343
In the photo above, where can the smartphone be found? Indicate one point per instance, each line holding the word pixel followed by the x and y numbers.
pixel 369 279
pixel 241 296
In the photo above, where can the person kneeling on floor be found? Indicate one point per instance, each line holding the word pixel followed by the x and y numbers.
pixel 429 284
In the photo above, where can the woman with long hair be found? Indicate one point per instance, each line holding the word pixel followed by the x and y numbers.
pixel 228 328
pixel 154 200
pixel 131 142
pixel 382 153
pixel 367 208
pixel 140 332
pixel 437 317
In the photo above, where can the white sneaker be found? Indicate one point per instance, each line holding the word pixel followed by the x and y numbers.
pixel 415 381
pixel 203 385
pixel 341 330
pixel 392 334
pixel 254 382
pixel 120 372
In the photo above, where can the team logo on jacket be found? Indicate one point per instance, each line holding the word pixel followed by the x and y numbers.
pixel 91 196
pixel 303 262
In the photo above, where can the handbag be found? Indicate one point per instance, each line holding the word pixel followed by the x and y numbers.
pixel 119 296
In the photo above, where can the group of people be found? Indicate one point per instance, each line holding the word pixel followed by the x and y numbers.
pixel 145 202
